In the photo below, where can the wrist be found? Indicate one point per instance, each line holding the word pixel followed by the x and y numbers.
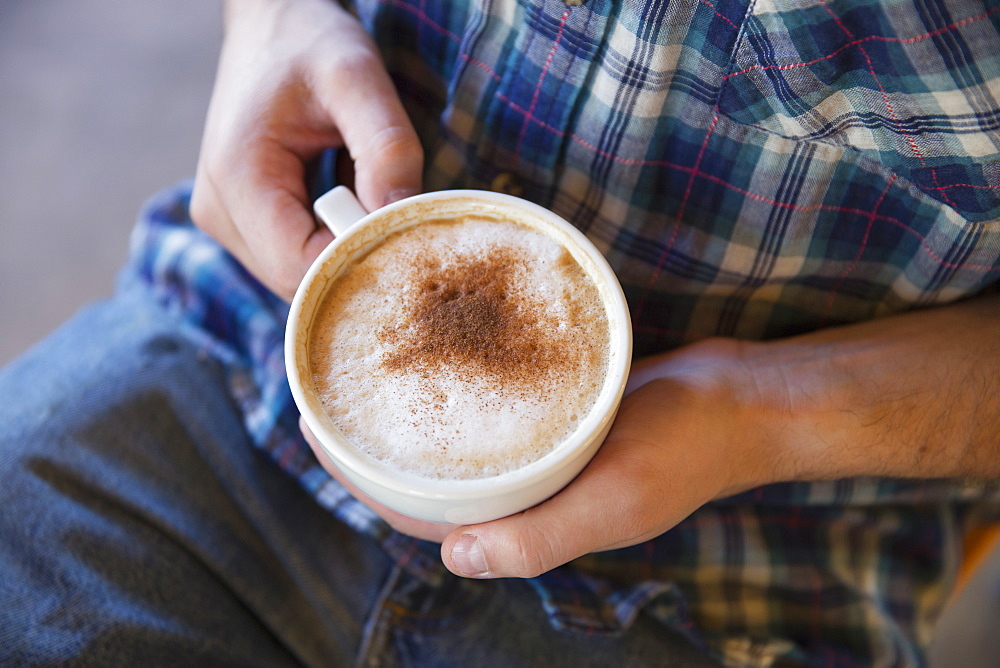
pixel 765 427
pixel 837 407
pixel 742 410
pixel 794 389
pixel 257 14
pixel 776 411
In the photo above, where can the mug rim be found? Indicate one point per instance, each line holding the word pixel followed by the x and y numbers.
pixel 344 454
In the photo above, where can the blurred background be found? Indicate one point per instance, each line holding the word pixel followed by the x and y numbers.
pixel 101 105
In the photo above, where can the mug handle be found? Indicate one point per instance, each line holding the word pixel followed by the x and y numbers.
pixel 339 209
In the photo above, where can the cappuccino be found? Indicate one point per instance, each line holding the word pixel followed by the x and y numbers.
pixel 460 348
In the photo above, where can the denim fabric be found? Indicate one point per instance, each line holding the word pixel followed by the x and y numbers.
pixel 138 523
pixel 139 526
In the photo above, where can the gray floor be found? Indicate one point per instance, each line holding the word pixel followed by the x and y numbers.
pixel 101 104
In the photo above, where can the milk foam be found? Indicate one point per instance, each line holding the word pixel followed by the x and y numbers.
pixel 486 401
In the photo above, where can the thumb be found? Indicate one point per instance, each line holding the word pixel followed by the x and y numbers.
pixel 506 548
pixel 589 515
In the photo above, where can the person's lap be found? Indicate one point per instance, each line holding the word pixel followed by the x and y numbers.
pixel 139 524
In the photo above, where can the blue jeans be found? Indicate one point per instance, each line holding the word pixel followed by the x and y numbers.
pixel 140 526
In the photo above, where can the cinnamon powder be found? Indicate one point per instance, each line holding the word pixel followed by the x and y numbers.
pixel 472 315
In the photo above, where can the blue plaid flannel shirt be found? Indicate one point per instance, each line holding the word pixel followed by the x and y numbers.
pixel 750 169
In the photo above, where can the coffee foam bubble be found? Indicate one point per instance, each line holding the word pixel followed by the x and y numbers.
pixel 460 349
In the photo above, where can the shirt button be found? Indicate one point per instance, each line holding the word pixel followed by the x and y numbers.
pixel 505 182
pixel 973 487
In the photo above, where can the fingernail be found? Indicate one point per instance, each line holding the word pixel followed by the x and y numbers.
pixel 400 193
pixel 468 557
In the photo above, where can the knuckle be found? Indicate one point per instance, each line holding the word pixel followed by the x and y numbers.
pixel 203 207
pixel 533 553
pixel 199 209
pixel 354 63
pixel 283 279
pixel 640 505
pixel 395 142
pixel 206 208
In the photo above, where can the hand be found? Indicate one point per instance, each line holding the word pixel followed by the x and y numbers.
pixel 294 79
pixel 911 396
pixel 402 523
pixel 682 437
pixel 680 440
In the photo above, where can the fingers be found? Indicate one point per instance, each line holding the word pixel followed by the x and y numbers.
pixel 295 80
pixel 604 508
pixel 362 101
pixel 262 217
pixel 401 523
pixel 666 455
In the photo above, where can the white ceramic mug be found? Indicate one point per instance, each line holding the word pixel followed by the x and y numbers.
pixel 465 501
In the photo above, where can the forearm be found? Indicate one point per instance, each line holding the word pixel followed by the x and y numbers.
pixel 913 395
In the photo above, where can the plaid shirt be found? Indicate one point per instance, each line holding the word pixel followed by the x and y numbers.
pixel 752 170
